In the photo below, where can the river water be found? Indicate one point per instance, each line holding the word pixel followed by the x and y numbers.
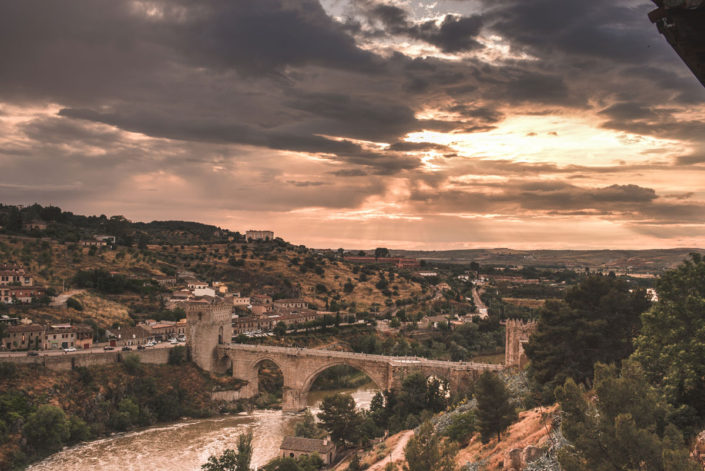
pixel 185 445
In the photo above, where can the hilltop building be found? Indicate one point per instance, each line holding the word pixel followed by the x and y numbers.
pixel 259 235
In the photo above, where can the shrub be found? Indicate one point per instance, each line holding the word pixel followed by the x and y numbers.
pixel 132 363
pixel 74 303
pixel 47 429
pixel 177 356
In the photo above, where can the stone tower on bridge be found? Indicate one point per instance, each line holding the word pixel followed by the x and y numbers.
pixel 209 325
pixel 517 334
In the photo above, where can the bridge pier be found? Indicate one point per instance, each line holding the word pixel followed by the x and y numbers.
pixel 293 400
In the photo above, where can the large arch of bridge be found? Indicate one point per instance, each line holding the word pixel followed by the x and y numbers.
pixel 379 382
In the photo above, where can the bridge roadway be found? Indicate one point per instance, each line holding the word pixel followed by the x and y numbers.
pixel 301 366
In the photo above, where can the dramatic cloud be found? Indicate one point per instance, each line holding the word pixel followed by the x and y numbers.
pixel 485 122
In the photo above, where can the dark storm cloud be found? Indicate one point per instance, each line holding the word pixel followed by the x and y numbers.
pixel 601 29
pixel 232 89
pixel 454 34
pixel 627 202
pixel 419 146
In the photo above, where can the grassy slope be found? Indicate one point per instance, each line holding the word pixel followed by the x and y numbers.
pixel 54 264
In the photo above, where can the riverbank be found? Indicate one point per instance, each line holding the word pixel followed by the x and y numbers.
pixel 43 410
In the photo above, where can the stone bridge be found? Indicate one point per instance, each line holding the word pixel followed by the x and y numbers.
pixel 301 366
pixel 210 331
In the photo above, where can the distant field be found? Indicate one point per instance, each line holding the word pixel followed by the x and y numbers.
pixel 635 260
pixel 525 302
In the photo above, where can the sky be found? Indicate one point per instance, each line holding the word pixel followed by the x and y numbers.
pixel 408 124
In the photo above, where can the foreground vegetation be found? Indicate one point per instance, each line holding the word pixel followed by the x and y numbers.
pixel 42 410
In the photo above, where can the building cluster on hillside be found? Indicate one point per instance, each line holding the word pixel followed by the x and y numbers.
pixel 99 240
pixel 147 331
pixel 27 336
pixel 17 286
pixel 257 313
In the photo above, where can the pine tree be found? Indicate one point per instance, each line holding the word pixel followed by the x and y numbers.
pixel 672 341
pixel 596 322
pixel 494 411
pixel 623 424
pixel 339 417
pixel 425 452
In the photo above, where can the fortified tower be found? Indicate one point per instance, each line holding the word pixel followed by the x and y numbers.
pixel 517 334
pixel 209 325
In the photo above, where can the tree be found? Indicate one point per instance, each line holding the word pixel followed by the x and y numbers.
pixel 621 425
pixel 461 427
pixel 280 329
pixel 339 417
pixel 596 322
pixel 425 452
pixel 355 464
pixel 381 252
pixel 671 345
pixel 494 411
pixel 47 429
pixel 308 428
pixel 232 460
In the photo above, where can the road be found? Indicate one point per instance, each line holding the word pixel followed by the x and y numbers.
pixel 395 454
pixel 96 349
pixel 479 305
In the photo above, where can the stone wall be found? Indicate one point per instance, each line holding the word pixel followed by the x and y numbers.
pixel 65 362
pixel 516 335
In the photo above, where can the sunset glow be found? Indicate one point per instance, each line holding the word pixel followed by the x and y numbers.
pixel 339 123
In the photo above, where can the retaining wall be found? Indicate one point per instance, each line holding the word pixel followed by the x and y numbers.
pixel 158 356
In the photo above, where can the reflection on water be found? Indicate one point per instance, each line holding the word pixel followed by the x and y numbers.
pixel 186 445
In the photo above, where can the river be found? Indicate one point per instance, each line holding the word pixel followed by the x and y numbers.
pixel 185 445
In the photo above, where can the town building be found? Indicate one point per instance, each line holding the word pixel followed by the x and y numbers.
pixel 293 447
pixel 166 281
pixel 17 294
pixel 35 225
pixel 241 301
pixel 128 336
pixel 53 337
pixel 92 243
pixel 24 337
pixel 60 336
pixel 164 329
pixel 107 239
pixel 259 235
pixel 195 284
pixel 244 325
pixel 14 275
pixel 280 304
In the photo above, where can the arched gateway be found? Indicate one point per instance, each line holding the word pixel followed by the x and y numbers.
pixel 301 366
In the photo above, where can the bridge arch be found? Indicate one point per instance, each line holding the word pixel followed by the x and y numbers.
pixel 379 381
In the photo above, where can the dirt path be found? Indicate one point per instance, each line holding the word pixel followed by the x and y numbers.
pixel 61 299
pixel 395 454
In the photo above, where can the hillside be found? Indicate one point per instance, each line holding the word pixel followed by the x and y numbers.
pixel 275 268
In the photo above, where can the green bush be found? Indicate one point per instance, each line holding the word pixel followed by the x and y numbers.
pixel 47 429
pixel 132 363
pixel 74 303
pixel 177 355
